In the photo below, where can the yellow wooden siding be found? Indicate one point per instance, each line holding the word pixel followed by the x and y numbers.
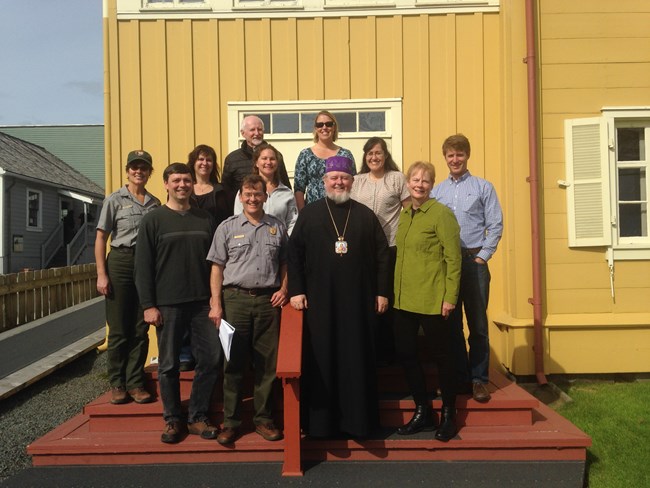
pixel 599 25
pixel 154 100
pixel 599 351
pixel 593 54
pixel 176 77
pixel 284 69
pixel 592 6
pixel 170 82
pixel 205 70
pixel 596 76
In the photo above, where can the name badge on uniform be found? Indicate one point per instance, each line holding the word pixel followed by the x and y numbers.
pixel 240 236
pixel 273 230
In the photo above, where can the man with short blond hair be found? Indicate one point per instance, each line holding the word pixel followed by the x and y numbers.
pixel 476 207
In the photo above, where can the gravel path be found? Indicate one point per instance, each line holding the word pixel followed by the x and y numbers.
pixel 36 410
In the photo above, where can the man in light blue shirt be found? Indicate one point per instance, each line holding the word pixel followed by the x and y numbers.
pixel 476 206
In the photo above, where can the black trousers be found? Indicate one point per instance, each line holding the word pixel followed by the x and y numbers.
pixel 438 340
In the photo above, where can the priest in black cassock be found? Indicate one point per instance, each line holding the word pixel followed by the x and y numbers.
pixel 339 275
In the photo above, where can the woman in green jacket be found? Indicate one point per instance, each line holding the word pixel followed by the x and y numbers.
pixel 427 280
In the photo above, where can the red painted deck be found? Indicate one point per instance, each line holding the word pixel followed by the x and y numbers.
pixel 513 426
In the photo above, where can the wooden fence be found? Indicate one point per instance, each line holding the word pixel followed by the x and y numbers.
pixel 30 295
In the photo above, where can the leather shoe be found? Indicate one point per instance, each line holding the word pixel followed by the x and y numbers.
pixel 203 428
pixel 447 429
pixel 227 436
pixel 187 365
pixel 269 431
pixel 140 395
pixel 480 392
pixel 118 395
pixel 174 432
pixel 422 420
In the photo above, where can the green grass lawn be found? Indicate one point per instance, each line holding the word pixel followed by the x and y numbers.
pixel 617 417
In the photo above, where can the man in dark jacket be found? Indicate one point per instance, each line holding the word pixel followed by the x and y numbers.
pixel 239 163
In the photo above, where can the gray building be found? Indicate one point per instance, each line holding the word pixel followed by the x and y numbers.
pixel 47 209
pixel 80 146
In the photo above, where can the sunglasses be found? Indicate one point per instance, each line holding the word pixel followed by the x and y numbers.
pixel 319 125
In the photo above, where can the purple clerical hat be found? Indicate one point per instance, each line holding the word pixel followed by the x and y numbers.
pixel 338 163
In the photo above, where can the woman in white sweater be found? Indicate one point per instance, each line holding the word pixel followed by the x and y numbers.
pixel 280 201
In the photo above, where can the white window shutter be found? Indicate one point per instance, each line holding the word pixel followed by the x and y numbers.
pixel 588 191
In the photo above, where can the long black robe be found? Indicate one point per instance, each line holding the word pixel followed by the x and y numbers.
pixel 338 388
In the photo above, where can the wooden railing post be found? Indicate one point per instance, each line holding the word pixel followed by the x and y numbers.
pixel 289 369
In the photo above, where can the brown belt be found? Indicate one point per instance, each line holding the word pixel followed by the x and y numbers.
pixel 124 250
pixel 252 291
pixel 470 252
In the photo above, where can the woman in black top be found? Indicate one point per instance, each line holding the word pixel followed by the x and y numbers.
pixel 209 194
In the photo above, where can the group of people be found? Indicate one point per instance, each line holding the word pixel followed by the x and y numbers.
pixel 370 258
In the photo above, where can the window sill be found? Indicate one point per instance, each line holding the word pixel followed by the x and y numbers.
pixel 631 254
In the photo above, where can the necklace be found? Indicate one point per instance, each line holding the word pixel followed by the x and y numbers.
pixel 341 245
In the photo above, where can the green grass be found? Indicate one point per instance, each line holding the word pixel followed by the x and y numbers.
pixel 617 417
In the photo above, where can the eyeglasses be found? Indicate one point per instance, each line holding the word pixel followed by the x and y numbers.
pixel 319 125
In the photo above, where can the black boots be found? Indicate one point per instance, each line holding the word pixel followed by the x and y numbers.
pixel 422 420
pixel 447 429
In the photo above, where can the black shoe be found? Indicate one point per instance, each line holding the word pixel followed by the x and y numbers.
pixel 422 420
pixel 187 365
pixel 447 429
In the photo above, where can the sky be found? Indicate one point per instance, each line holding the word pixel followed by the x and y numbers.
pixel 51 66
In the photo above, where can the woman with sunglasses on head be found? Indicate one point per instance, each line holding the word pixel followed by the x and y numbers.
pixel 280 201
pixel 310 165
pixel 381 186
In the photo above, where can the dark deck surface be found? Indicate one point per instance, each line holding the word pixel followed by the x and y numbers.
pixel 33 350
pixel 331 474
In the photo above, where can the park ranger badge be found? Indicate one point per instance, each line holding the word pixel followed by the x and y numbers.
pixel 273 230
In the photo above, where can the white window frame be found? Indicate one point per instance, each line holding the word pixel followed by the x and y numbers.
pixel 176 5
pixel 392 107
pixel 39 224
pixel 134 9
pixel 592 182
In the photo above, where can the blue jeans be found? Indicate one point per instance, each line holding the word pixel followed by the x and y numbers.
pixel 473 299
pixel 206 350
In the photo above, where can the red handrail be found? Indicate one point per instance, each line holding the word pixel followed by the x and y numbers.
pixel 289 369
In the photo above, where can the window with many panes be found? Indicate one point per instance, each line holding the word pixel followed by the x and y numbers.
pixel 607 181
pixel 303 122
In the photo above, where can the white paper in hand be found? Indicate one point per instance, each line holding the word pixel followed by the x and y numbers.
pixel 226 331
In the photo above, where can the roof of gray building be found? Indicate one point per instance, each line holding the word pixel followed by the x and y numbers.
pixel 23 158
pixel 80 146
